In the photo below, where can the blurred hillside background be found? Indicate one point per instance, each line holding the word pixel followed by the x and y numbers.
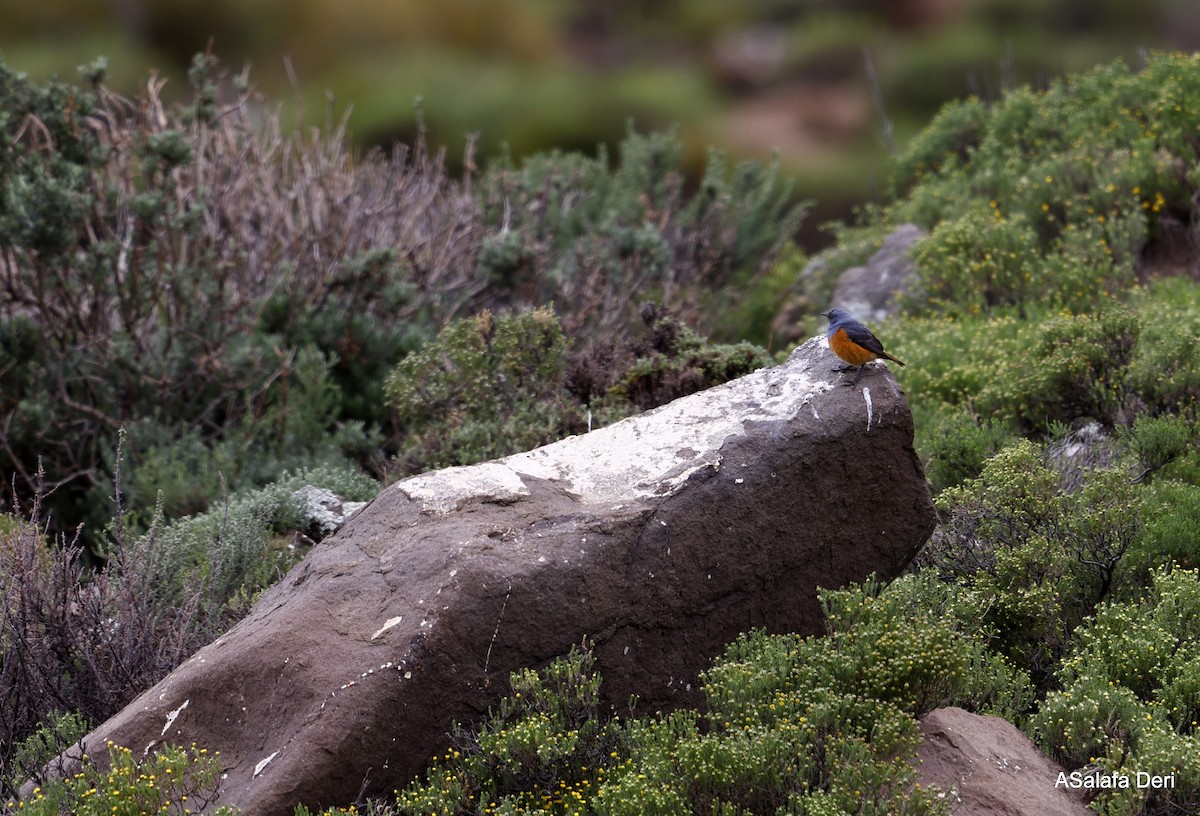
pixel 211 309
pixel 827 85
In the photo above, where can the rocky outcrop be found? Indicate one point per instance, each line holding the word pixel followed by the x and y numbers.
pixel 659 538
pixel 870 292
pixel 988 768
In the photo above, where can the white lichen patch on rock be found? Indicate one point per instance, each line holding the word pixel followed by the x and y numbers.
pixel 262 763
pixel 387 624
pixel 442 491
pixel 651 454
pixel 172 716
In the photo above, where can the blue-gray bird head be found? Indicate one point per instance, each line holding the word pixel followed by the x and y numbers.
pixel 837 317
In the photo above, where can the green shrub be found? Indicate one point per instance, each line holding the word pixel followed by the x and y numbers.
pixel 596 241
pixel 992 683
pixel 1158 441
pixel 1036 558
pixel 544 749
pixel 1076 725
pixel 55 735
pixel 369 808
pixel 974 381
pixel 958 446
pixel 79 640
pixel 675 362
pixel 359 345
pixel 150 258
pixel 487 387
pixel 490 386
pixel 1131 697
pixel 1066 368
pixel 976 262
pixel 172 780
pixel 1166 372
pixel 808 724
pixel 298 425
pixel 1023 375
pixel 1171 528
pixel 240 547
pixel 1046 197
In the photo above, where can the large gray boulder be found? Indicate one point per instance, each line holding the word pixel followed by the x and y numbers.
pixel 660 538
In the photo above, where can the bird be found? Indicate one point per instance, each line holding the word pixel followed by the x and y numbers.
pixel 853 342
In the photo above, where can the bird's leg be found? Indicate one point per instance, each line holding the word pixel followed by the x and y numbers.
pixel 857 376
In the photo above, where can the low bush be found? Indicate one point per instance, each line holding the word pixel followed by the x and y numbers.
pixel 1130 698
pixel 1158 441
pixel 144 252
pixel 493 385
pixel 597 237
pixel 976 262
pixel 174 781
pixel 31 757
pixel 1059 198
pixel 1170 529
pixel 230 553
pixel 486 387
pixel 672 362
pixel 1064 368
pixel 1024 375
pixel 87 641
pixel 77 641
pixel 1036 559
pixel 545 749
pixel 957 446
pixel 1166 373
pixel 974 382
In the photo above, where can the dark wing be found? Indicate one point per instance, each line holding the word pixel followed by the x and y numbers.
pixel 862 335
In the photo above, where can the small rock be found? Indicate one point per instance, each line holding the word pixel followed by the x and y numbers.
pixel 987 767
pixel 869 292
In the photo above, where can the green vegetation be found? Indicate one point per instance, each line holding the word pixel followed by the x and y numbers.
pixel 172 780
pixel 79 644
pixel 493 385
pixel 1130 696
pixel 146 291
pixel 1055 197
pixel 602 240
pixel 59 733
pixel 487 386
pixel 979 381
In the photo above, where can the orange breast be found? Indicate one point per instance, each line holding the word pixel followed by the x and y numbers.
pixel 854 354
